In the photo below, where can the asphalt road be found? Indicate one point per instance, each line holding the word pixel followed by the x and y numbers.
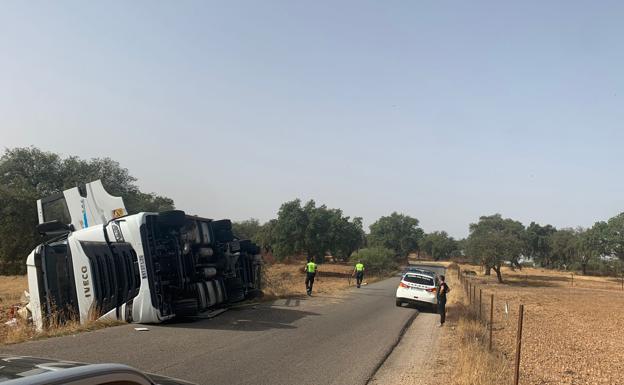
pixel 338 339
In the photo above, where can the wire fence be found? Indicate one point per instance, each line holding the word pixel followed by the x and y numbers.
pixel 477 304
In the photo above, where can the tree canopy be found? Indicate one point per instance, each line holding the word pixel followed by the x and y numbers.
pixel 397 232
pixel 494 240
pixel 313 231
pixel 539 243
pixel 247 229
pixel 439 245
pixel 28 174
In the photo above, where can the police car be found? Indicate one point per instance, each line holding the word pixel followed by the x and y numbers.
pixel 417 288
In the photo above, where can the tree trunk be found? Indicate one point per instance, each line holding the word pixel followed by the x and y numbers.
pixel 584 267
pixel 497 269
pixel 488 270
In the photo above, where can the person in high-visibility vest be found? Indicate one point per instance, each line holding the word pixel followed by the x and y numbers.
pixel 358 271
pixel 310 270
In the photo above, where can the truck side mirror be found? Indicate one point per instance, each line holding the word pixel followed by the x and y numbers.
pixel 54 228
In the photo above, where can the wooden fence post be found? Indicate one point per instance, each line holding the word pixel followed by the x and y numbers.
pixel 480 300
pixel 518 344
pixel 491 318
pixel 474 297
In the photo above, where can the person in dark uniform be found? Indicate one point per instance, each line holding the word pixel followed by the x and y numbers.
pixel 310 270
pixel 443 289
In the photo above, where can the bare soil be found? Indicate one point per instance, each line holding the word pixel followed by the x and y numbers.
pixel 573 326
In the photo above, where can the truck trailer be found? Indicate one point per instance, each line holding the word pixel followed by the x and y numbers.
pixel 98 262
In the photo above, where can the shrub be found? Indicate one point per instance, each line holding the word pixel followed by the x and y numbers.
pixel 376 259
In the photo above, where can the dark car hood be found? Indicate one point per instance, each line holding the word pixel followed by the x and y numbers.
pixel 13 367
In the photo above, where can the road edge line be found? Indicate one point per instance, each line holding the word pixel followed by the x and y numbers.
pixel 406 326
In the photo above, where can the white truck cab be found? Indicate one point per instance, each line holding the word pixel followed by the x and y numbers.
pixel 100 262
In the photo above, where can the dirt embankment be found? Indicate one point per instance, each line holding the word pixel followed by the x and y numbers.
pixel 573 327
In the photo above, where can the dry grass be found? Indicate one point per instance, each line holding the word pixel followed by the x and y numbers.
pixel 24 332
pixel 11 290
pixel 285 280
pixel 464 357
pixel 572 334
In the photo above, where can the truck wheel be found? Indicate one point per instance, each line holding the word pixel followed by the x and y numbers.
pixel 235 290
pixel 223 230
pixel 399 303
pixel 186 307
pixel 172 218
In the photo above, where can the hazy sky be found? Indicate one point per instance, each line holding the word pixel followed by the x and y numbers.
pixel 441 110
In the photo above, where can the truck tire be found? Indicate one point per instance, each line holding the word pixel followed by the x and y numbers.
pixel 172 218
pixel 235 290
pixel 186 307
pixel 399 303
pixel 202 296
pixel 223 230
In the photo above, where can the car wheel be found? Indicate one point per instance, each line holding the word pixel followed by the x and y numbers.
pixel 399 303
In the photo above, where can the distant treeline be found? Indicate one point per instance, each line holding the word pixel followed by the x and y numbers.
pixel 310 230
pixel 495 241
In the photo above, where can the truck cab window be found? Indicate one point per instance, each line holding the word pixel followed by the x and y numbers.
pixel 55 208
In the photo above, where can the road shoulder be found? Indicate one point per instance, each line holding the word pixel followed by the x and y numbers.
pixel 415 359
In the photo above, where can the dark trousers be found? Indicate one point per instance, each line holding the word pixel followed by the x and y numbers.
pixel 309 281
pixel 442 311
pixel 359 276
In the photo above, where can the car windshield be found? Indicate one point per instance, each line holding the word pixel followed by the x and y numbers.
pixel 419 279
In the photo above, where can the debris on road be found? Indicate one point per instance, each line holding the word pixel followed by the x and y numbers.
pixel 11 322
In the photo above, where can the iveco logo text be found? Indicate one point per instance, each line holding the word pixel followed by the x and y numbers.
pixel 85 282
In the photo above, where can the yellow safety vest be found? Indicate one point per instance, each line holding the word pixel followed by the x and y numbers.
pixel 359 267
pixel 311 267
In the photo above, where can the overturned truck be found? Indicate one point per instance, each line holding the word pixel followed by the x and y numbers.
pixel 99 262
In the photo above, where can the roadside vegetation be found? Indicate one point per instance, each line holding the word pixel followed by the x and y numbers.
pixel 287 280
pixel 14 329
pixel 467 359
